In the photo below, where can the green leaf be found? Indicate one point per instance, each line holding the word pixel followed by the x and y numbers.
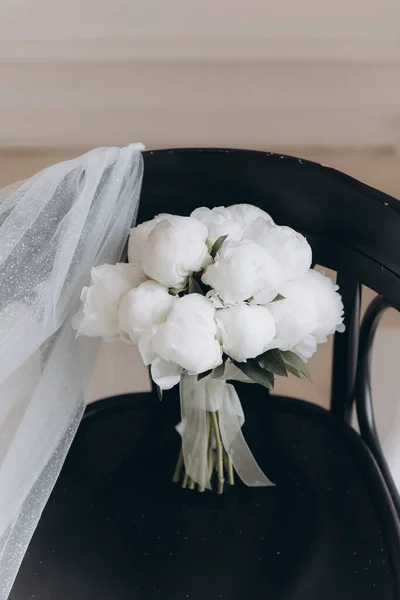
pixel 217 245
pixel 194 287
pixel 201 376
pixel 253 370
pixel 293 371
pixel 292 360
pixel 272 361
pixel 278 297
pixel 219 371
pixel 159 393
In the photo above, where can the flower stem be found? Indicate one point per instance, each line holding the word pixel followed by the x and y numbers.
pixel 229 469
pixel 218 459
pixel 177 474
pixel 210 452
pixel 220 456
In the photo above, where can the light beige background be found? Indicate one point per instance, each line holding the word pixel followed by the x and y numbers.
pixel 181 72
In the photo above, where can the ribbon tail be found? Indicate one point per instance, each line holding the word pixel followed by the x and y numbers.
pixel 194 433
pixel 231 419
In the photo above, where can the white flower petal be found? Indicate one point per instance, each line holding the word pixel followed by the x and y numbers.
pixel 306 347
pixel 231 220
pixel 295 316
pixel 288 247
pixel 147 305
pixel 246 331
pixel 188 337
pixel 175 248
pixel 138 237
pixel 311 311
pixel 242 270
pixel 165 374
pixel 330 310
pixel 145 345
pixel 98 316
pixel 215 300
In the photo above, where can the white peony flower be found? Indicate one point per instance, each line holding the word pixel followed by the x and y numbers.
pixel 139 234
pixel 188 337
pixel 312 310
pixel 232 221
pixel 175 248
pixel 329 316
pixel 144 306
pixel 289 248
pixel 246 331
pixel 306 347
pixel 244 270
pixel 295 317
pixel 247 213
pixel 98 317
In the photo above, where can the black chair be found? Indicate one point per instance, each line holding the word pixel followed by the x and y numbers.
pixel 116 527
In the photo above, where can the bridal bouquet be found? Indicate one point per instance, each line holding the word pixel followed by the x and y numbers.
pixel 225 294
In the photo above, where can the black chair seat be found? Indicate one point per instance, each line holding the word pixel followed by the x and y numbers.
pixel 117 528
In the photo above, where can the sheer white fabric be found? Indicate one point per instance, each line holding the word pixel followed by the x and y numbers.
pixel 53 229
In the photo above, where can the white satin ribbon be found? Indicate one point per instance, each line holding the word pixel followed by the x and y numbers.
pixel 211 395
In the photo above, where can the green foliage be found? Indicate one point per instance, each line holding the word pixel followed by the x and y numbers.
pixel 272 361
pixel 217 245
pixel 256 373
pixel 295 364
pixel 194 287
pixel 278 297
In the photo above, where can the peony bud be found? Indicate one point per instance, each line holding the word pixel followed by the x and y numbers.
pixel 244 270
pixel 141 308
pixel 139 234
pixel 295 316
pixel 289 248
pixel 246 331
pixel 311 310
pixel 329 317
pixel 188 337
pixel 175 248
pixel 232 221
pixel 98 317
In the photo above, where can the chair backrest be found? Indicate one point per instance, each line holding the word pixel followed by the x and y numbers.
pixel 352 228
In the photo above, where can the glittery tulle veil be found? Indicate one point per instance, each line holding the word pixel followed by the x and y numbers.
pixel 53 229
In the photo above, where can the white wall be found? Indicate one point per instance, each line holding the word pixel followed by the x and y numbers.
pixel 179 72
pixel 86 22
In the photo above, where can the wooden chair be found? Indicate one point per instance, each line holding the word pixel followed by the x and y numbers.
pixel 116 527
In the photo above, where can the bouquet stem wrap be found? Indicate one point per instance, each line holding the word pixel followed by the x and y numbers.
pixel 219 400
